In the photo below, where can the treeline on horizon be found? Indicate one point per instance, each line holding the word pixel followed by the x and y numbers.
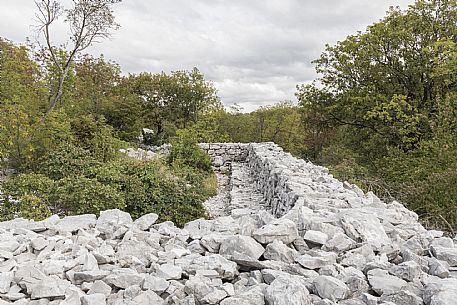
pixel 381 115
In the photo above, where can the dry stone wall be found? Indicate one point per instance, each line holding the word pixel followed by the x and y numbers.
pixel 325 243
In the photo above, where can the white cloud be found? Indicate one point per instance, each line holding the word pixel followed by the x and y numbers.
pixel 254 51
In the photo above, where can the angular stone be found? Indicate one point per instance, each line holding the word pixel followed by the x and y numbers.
pixel 39 243
pixel 124 278
pixel 154 283
pixel 287 291
pixel 441 292
pixel 331 288
pixel 8 245
pixel 361 225
pixel 284 230
pixel 407 270
pixel 93 299
pixel 5 281
pixel 382 282
pixel 311 262
pixel 75 223
pixel 89 276
pixel 146 221
pixel 225 268
pixel 252 296
pixel 212 242
pixel 100 287
pixel 240 244
pixel 278 251
pixel 339 243
pixel 111 221
pixel 438 268
pixel 448 255
pixel 147 298
pixel 402 297
pixel 50 287
pixel 316 237
pixel 169 272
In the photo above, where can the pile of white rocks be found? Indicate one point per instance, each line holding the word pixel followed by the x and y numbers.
pixel 329 244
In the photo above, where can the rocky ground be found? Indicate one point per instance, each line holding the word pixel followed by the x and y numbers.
pixel 339 246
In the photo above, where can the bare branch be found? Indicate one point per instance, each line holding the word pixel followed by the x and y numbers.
pixel 89 20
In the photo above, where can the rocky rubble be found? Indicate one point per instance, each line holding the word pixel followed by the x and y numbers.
pixel 329 244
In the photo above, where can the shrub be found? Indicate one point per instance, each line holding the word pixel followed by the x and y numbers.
pixel 97 137
pixel 185 152
pixel 80 195
pixel 27 195
pixel 153 187
pixel 67 160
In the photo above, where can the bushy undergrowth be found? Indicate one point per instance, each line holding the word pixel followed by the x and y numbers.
pixel 72 180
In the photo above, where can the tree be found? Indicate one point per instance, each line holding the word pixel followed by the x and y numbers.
pixel 173 101
pixel 386 80
pixel 89 21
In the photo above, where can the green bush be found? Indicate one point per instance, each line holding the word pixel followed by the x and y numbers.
pixel 185 152
pixel 67 160
pixel 80 195
pixel 28 196
pixel 153 187
pixel 97 137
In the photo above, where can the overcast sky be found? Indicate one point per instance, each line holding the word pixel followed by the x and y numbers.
pixel 255 51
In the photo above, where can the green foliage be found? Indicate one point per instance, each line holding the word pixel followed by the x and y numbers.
pixel 97 137
pixel 65 161
pixel 153 187
pixel 80 195
pixel 384 115
pixel 173 101
pixel 186 153
pixel 15 134
pixel 27 195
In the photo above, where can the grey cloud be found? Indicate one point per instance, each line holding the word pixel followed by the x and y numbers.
pixel 254 51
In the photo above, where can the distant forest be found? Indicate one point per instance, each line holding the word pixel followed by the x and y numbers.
pixel 382 114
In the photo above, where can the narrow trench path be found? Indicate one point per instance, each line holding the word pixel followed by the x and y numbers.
pixel 237 191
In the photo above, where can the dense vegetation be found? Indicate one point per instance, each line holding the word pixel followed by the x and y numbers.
pixel 382 115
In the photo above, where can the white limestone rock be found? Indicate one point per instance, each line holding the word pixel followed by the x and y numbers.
pixel 328 287
pixel 382 282
pixel 240 244
pixel 145 222
pixel 408 271
pixel 363 226
pixel 6 278
pixel 287 291
pixel 49 287
pixel 278 251
pixel 284 230
pixel 112 221
pixel 100 287
pixel 448 255
pixel 93 299
pixel 315 237
pixel 154 283
pixel 124 278
pixel 75 223
pixel 441 292
pixel 169 272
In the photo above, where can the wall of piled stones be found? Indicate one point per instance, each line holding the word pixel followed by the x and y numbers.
pixel 275 171
pixel 223 154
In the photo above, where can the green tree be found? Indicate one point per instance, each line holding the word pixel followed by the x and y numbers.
pixel 88 21
pixel 173 101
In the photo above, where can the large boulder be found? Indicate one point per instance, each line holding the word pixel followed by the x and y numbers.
pixel 287 291
pixel 240 244
pixel 284 230
pixel 113 223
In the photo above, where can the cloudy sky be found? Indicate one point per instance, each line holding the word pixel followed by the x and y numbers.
pixel 255 51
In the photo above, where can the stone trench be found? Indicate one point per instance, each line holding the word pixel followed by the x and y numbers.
pixel 282 232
